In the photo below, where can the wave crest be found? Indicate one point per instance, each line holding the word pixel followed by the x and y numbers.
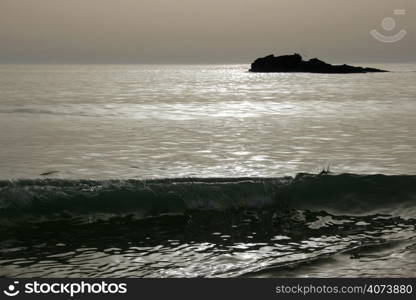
pixel 339 193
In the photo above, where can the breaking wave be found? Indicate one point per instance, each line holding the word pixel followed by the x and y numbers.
pixel 40 199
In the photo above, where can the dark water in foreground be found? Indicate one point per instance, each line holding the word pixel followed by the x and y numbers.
pixel 310 225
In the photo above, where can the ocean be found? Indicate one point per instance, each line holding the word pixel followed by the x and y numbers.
pixel 206 171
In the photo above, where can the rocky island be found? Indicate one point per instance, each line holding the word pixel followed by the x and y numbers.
pixel 295 63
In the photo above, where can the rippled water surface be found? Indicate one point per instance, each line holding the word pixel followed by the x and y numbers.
pixel 79 145
pixel 310 244
pixel 174 121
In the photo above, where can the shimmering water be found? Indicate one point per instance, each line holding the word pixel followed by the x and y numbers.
pixel 325 246
pixel 174 121
pixel 115 123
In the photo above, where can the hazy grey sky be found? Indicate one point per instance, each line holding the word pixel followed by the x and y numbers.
pixel 205 31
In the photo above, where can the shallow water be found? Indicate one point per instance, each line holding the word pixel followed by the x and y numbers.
pixel 228 252
pixel 120 125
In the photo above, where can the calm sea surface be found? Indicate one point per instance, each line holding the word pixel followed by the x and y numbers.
pixel 138 121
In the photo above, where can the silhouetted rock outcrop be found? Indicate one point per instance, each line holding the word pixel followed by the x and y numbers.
pixel 295 63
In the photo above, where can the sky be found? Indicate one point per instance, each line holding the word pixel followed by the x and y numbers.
pixel 201 31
